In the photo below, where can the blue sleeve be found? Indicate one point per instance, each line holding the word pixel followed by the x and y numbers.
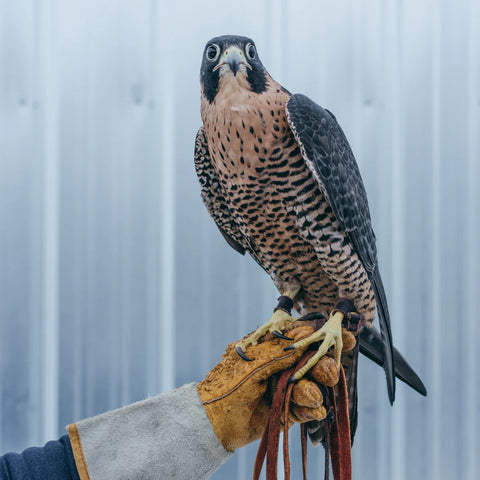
pixel 54 461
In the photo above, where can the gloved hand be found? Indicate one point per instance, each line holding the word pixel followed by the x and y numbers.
pixel 173 436
pixel 237 394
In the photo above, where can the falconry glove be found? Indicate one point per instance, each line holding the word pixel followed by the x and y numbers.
pixel 225 411
pixel 237 395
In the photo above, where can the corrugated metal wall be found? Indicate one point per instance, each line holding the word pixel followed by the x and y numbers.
pixel 115 284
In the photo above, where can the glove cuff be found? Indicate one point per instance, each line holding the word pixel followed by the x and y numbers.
pixel 168 436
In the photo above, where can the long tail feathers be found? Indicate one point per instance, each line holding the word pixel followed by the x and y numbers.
pixel 384 320
pixel 371 345
pixel 377 347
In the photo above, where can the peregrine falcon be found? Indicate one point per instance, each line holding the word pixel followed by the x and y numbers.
pixel 279 178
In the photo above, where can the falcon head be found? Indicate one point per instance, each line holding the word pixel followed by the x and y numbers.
pixel 231 59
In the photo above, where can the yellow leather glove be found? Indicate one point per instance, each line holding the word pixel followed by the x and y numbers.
pixel 237 394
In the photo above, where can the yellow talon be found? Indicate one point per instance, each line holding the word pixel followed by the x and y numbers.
pixel 330 335
pixel 280 319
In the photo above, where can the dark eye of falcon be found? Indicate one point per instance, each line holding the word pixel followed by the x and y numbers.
pixel 213 51
pixel 250 51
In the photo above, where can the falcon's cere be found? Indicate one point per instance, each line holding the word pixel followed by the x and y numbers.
pixel 279 178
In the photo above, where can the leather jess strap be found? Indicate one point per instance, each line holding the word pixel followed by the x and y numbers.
pixel 340 448
pixel 338 445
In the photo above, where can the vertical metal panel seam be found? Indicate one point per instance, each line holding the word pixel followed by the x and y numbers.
pixel 166 310
pixel 88 379
pixel 50 334
pixel 398 412
pixel 436 314
pixel 126 199
pixel 36 249
pixel 153 260
pixel 472 286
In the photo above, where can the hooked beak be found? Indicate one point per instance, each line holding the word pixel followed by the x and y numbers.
pixel 234 61
pixel 234 58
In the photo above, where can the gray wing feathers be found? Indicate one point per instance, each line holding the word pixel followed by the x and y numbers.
pixel 328 155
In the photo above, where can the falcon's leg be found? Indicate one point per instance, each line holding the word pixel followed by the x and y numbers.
pixel 280 319
pixel 330 335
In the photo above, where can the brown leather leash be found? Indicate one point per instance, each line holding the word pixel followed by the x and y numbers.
pixel 338 448
pixel 339 445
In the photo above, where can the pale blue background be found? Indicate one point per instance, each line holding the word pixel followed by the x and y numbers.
pixel 115 283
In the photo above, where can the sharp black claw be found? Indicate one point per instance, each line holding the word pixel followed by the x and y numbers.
pixel 241 354
pixel 290 347
pixel 281 335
